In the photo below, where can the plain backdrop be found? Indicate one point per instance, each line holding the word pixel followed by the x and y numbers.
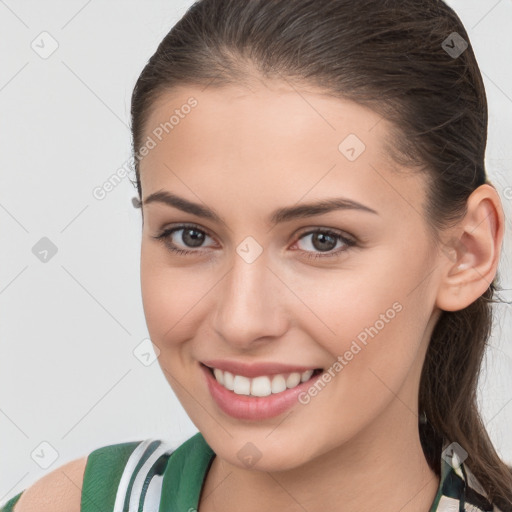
pixel 70 381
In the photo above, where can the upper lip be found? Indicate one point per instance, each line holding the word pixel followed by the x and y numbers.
pixel 255 369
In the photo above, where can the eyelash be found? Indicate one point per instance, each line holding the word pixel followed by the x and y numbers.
pixel 349 242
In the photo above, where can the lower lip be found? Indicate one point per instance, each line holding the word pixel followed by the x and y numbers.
pixel 246 407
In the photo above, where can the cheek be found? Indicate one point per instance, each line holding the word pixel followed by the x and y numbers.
pixel 371 321
pixel 170 297
pixel 342 308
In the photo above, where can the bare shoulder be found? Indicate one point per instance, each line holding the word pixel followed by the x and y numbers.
pixel 58 491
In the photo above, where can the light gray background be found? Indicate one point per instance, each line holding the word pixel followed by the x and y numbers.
pixel 69 326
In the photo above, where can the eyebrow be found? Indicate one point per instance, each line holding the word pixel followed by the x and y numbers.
pixel 278 216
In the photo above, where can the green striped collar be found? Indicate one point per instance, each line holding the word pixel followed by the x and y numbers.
pixel 184 475
pixel 458 491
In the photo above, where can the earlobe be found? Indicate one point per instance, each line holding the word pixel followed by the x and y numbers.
pixel 470 259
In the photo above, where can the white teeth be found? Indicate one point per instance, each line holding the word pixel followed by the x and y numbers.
pixel 242 385
pixel 292 380
pixel 260 386
pixel 228 380
pixel 218 375
pixel 278 384
pixel 306 375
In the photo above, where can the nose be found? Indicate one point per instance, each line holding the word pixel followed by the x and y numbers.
pixel 251 304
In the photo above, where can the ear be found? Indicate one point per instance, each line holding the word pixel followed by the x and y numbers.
pixel 470 257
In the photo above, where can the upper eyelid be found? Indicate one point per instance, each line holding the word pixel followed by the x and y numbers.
pixel 179 227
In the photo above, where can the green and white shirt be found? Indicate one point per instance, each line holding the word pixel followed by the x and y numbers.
pixel 151 476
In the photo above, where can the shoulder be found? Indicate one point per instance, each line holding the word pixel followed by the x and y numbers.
pixel 59 490
pixel 94 480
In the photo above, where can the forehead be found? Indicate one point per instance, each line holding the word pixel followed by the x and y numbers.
pixel 263 108
pixel 274 139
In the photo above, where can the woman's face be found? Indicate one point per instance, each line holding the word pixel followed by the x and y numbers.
pixel 251 289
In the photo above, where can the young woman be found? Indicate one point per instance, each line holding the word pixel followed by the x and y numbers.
pixel 319 257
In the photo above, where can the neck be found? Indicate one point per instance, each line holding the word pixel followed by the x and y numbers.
pixel 383 469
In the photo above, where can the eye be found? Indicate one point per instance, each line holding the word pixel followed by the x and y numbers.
pixel 191 236
pixel 324 240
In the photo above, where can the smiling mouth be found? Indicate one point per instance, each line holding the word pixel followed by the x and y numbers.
pixel 263 385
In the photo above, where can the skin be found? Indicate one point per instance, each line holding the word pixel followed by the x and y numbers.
pixel 245 151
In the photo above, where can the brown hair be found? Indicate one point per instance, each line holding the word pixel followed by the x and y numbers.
pixel 391 56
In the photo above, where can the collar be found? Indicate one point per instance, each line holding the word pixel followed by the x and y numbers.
pixel 459 490
pixel 184 476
